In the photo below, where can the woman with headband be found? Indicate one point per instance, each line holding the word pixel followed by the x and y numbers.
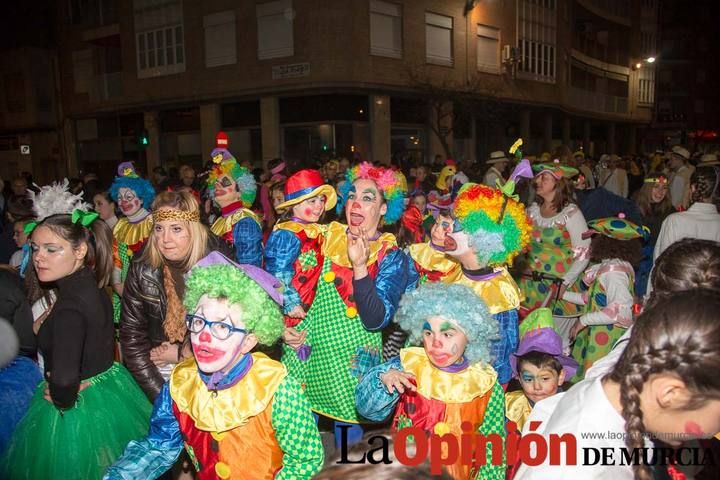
pixel 152 332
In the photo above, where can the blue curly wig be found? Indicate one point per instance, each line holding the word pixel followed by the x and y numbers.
pixel 453 302
pixel 140 186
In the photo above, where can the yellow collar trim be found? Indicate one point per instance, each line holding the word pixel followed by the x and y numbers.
pixel 132 233
pixel 430 259
pixel 312 230
pixel 223 225
pixel 461 387
pixel 335 246
pixel 223 410
pixel 500 293
pixel 517 408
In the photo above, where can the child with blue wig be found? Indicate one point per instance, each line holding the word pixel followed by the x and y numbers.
pixel 449 380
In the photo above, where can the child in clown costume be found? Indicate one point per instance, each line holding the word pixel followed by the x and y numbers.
pixel 233 189
pixel 238 414
pixel 538 364
pixel 489 230
pixel 362 278
pixel 616 248
pixel 293 251
pixel 132 195
pixel 429 260
pixel 448 380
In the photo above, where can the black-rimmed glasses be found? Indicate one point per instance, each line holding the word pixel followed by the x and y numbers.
pixel 219 330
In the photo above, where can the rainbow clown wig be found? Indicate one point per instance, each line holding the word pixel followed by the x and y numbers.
pixel 224 163
pixel 260 314
pixel 128 178
pixel 460 306
pixel 389 182
pixel 495 223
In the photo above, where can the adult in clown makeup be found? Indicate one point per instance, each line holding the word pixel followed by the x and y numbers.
pixel 362 276
pixel 243 404
pixel 558 249
pixel 133 196
pixel 448 380
pixel 489 230
pixel 233 189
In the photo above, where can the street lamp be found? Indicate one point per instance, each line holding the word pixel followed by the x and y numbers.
pixel 650 59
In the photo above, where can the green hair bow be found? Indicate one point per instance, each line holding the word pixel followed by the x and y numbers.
pixel 29 227
pixel 85 218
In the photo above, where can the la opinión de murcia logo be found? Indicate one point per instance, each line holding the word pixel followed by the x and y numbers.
pixel 413 446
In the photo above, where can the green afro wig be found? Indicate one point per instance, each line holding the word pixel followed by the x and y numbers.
pixel 261 315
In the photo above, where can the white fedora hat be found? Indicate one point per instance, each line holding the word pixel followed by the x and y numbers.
pixel 497 157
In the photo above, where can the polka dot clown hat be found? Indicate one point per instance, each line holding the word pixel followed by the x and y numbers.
pixel 556 169
pixel 618 227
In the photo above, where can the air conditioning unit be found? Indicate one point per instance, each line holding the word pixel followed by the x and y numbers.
pixel 508 53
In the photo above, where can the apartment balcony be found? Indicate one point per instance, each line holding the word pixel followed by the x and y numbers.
pixel 617 11
pixel 596 102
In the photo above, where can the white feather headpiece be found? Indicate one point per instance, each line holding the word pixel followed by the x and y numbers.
pixel 56 199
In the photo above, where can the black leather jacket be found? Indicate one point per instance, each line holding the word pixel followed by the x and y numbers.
pixel 144 304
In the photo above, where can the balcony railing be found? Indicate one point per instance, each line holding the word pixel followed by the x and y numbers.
pixel 594 101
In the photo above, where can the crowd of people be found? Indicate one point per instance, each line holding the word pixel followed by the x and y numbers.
pixel 211 324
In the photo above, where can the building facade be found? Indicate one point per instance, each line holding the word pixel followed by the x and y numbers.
pixel 402 80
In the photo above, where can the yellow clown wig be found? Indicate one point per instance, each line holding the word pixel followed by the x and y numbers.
pixel 496 224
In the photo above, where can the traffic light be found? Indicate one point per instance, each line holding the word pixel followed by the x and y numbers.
pixel 325 147
pixel 143 139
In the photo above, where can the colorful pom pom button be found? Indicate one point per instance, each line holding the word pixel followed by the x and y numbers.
pixel 329 277
pixel 218 436
pixel 351 312
pixel 222 470
pixel 441 428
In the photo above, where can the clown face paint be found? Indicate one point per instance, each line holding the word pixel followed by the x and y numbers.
pixel 674 425
pixel 128 201
pixel 457 243
pixel 226 191
pixel 214 355
pixel 310 210
pixel 365 206
pixel 539 383
pixel 443 226
pixel 444 342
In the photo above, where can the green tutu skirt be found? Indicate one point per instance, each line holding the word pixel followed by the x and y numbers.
pixel 81 442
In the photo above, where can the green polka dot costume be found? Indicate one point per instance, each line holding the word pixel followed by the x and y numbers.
pixel 551 252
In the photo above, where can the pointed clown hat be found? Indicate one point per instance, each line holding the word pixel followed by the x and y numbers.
pixel 618 228
pixel 224 163
pixel 389 183
pixel 538 334
pixel 494 219
pixel 307 184
pixel 258 293
pixel 128 178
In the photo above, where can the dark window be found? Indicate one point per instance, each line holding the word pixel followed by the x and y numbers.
pixel 408 110
pixel 322 108
pixel 181 120
pixel 243 114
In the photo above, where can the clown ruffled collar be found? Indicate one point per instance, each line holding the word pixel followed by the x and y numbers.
pixel 224 409
pixel 451 387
